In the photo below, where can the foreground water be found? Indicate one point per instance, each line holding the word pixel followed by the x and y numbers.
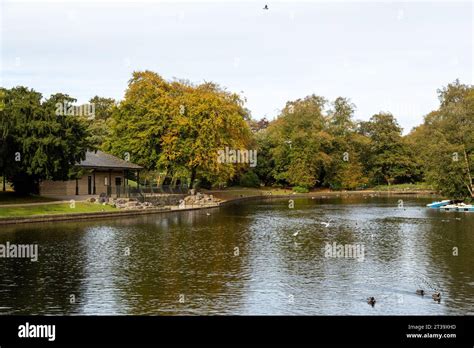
pixel 246 259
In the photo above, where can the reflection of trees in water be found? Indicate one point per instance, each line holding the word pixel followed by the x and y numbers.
pixel 44 286
pixel 186 253
pixel 456 273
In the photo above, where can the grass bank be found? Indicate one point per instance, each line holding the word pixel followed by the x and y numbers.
pixel 52 209
pixel 404 187
pixel 10 197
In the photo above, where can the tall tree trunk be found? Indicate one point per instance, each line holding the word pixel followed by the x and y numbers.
pixel 468 171
pixel 193 177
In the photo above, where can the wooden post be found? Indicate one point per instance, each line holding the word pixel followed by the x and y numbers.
pixel 110 182
pixel 93 189
pixel 124 183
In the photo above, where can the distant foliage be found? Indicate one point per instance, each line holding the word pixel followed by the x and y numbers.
pixel 99 126
pixel 314 143
pixel 389 159
pixel 298 142
pixel 249 179
pixel 299 189
pixel 204 183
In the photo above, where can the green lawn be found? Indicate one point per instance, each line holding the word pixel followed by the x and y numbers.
pixel 404 187
pixel 50 209
pixel 10 197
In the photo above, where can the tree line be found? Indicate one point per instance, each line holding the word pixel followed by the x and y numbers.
pixel 175 130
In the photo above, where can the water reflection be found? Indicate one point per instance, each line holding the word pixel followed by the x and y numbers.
pixel 246 259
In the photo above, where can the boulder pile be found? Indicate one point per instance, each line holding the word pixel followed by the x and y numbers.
pixel 197 199
pixel 130 204
pixel 201 199
pixel 122 203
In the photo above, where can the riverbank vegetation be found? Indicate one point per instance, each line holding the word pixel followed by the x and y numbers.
pixel 175 130
pixel 405 187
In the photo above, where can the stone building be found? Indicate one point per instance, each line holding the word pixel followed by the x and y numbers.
pixel 103 173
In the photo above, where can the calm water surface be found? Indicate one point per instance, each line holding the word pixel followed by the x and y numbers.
pixel 245 259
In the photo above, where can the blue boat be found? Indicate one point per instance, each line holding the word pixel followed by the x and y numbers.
pixel 439 204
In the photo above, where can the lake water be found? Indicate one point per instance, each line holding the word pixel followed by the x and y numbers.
pixel 246 259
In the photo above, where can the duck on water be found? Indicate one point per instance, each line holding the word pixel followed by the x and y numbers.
pixel 371 301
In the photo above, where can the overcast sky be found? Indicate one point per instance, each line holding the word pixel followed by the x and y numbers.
pixel 389 56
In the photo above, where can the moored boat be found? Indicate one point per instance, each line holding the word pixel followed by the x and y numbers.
pixel 461 207
pixel 439 204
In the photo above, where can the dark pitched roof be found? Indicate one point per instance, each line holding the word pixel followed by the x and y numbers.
pixel 103 160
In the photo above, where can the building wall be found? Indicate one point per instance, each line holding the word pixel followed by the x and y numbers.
pixel 58 188
pixel 68 188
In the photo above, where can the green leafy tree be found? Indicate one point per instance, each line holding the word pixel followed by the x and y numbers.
pixel 176 126
pixel 99 125
pixel 249 179
pixel 265 162
pixel 389 157
pixel 103 107
pixel 40 144
pixel 141 119
pixel 344 171
pixel 299 142
pixel 445 142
